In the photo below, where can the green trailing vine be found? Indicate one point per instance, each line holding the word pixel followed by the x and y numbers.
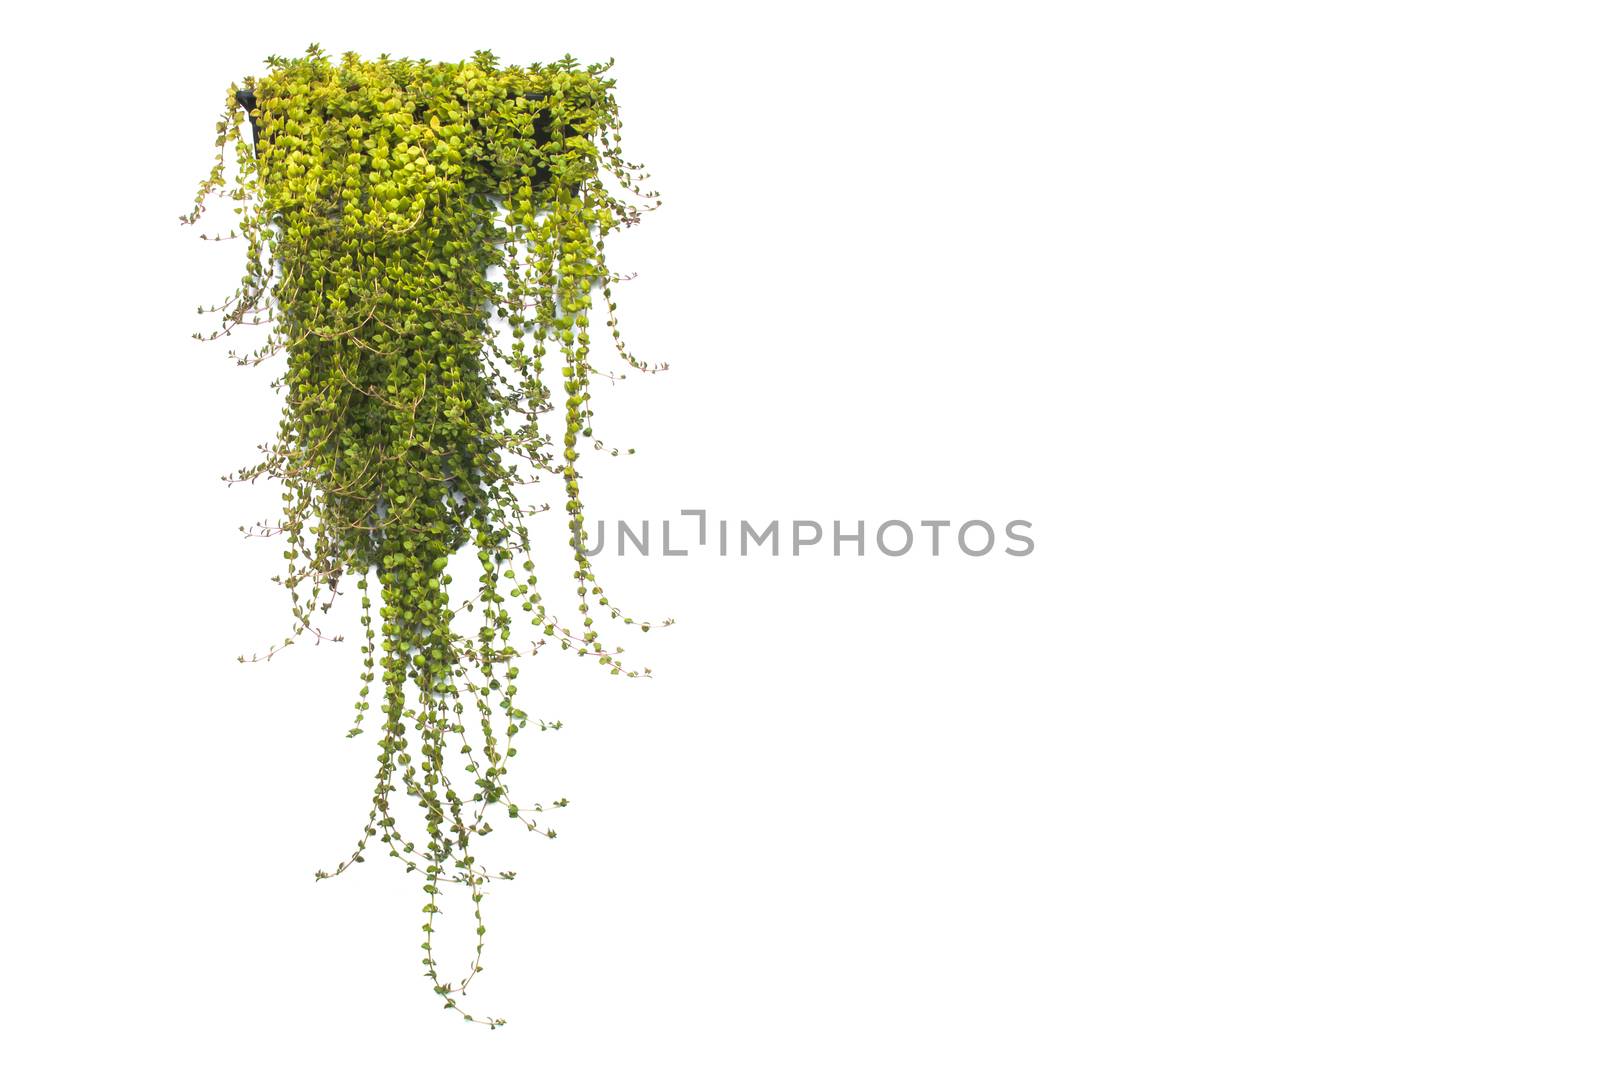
pixel 424 248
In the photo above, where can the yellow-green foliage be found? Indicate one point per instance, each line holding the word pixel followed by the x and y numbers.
pixel 424 245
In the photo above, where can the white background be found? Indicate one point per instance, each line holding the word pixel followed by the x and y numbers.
pixel 1279 323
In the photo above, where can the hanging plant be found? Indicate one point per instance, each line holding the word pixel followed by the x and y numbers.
pixel 424 245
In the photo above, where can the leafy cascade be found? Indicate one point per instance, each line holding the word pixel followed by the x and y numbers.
pixel 424 245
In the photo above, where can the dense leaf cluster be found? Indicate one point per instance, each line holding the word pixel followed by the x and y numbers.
pixel 425 248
